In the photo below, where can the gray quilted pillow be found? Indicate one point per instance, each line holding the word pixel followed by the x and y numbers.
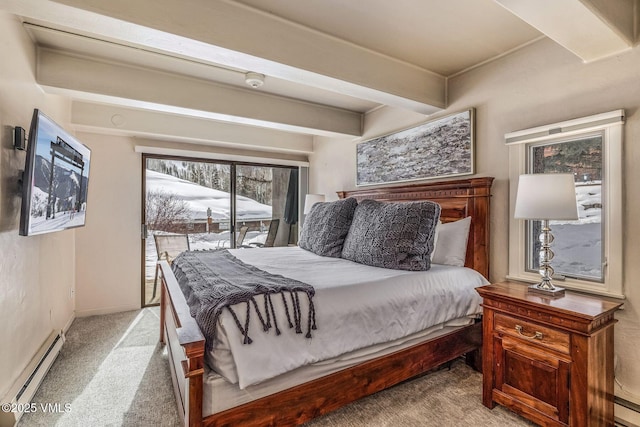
pixel 326 227
pixel 392 235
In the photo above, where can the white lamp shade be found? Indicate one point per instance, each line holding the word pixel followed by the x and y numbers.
pixel 546 196
pixel 310 200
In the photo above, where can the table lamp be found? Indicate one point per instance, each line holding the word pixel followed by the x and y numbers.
pixel 310 200
pixel 546 197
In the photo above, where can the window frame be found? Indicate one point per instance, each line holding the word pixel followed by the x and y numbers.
pixel 610 125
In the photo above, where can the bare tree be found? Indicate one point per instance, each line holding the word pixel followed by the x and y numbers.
pixel 165 211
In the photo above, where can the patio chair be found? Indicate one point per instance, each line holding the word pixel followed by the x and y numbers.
pixel 168 247
pixel 241 235
pixel 271 235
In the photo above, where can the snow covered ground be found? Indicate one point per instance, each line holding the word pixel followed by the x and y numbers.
pixel 199 241
pixel 578 244
pixel 199 199
pixel 38 223
pixel 62 220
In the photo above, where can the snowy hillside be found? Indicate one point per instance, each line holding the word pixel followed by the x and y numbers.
pixel 67 183
pixel 199 198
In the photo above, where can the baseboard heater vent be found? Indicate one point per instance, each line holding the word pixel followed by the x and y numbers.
pixel 627 413
pixel 27 384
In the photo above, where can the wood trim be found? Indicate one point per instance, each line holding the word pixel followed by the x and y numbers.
pixel 460 198
pixel 304 402
pixel 190 339
pixel 578 313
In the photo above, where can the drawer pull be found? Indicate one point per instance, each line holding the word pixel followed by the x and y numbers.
pixel 536 336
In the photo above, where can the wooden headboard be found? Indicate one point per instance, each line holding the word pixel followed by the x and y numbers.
pixel 458 199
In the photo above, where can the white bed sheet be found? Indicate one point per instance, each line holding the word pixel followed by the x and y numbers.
pixel 219 394
pixel 357 306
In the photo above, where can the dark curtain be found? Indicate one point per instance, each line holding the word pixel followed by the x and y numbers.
pixel 291 205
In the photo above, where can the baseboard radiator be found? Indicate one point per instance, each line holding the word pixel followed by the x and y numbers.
pixel 29 380
pixel 627 413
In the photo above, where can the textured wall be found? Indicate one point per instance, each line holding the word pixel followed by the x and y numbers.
pixel 540 84
pixel 36 273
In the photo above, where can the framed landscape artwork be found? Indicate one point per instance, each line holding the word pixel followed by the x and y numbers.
pixel 436 149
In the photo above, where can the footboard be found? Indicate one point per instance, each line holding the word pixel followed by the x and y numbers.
pixel 185 348
pixel 306 401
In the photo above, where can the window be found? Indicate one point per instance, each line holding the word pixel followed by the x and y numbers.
pixel 219 204
pixel 588 252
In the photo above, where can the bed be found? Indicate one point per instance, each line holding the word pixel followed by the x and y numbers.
pixel 302 394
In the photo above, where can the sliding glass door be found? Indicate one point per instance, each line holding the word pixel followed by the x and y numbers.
pixel 273 222
pixel 206 204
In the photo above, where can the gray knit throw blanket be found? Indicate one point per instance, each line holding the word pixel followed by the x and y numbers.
pixel 214 280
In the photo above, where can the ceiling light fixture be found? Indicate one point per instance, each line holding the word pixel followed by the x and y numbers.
pixel 255 80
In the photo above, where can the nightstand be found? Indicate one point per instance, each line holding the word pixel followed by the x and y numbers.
pixel 548 359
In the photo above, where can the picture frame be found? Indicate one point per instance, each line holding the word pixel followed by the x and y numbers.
pixel 443 147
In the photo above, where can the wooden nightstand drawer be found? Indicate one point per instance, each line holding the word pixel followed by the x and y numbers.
pixel 548 337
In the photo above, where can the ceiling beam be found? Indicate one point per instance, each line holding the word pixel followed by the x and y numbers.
pixel 92 79
pixel 117 120
pixel 238 36
pixel 620 15
pixel 591 29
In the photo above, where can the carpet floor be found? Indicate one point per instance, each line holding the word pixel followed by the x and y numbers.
pixel 112 372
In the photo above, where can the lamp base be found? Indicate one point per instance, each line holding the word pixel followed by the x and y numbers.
pixel 554 292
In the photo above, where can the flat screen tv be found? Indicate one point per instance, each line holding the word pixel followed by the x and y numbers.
pixel 55 181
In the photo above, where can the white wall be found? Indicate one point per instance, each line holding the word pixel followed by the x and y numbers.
pixel 540 84
pixel 36 273
pixel 108 258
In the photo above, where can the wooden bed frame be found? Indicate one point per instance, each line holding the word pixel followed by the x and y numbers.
pixel 186 344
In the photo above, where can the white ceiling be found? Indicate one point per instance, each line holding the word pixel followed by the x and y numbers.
pixel 326 62
pixel 445 37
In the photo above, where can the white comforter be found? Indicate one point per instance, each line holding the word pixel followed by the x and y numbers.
pixel 356 306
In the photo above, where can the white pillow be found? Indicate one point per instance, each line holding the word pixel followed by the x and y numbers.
pixel 435 238
pixel 451 248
